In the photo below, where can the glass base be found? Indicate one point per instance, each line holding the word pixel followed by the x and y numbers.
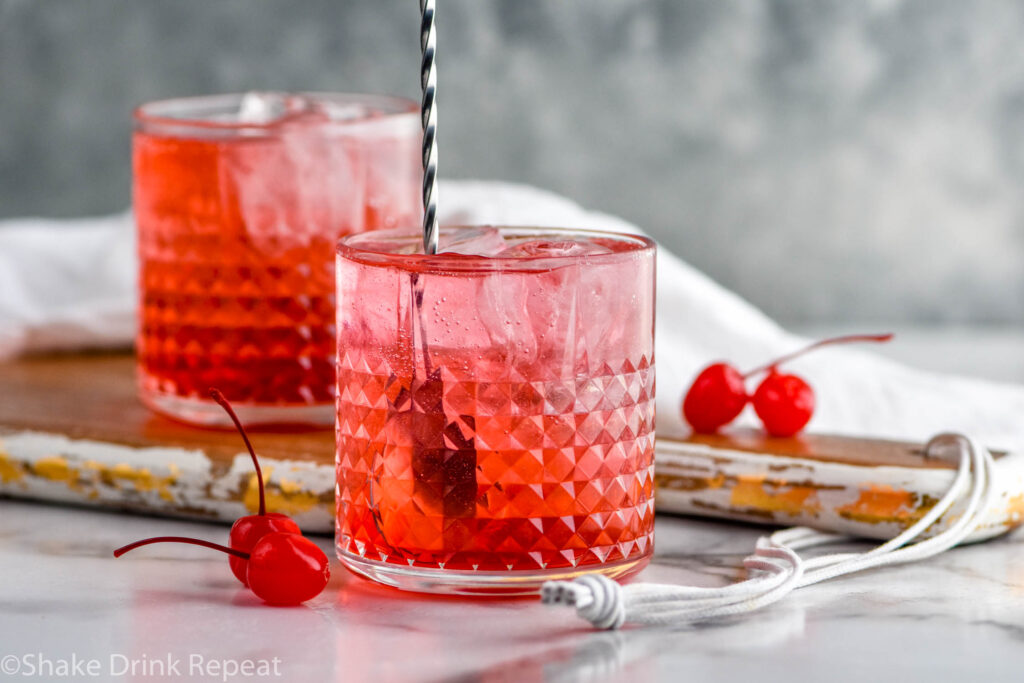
pixel 454 582
pixel 209 414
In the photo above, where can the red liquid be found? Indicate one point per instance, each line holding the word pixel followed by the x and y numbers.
pixel 505 423
pixel 472 475
pixel 236 246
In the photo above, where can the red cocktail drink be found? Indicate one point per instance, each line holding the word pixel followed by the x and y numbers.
pixel 239 202
pixel 495 407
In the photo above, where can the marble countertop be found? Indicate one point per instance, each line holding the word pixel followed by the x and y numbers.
pixel 65 600
pixel 957 617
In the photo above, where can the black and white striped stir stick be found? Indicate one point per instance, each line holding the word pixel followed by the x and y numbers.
pixel 428 116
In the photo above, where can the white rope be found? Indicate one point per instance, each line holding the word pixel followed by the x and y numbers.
pixel 775 567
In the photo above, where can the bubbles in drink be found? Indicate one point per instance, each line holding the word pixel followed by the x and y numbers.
pixel 496 411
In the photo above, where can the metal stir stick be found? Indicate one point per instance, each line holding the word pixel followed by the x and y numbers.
pixel 428 117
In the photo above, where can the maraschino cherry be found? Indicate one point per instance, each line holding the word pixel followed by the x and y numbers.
pixel 716 397
pixel 246 531
pixel 783 402
pixel 282 568
pixel 268 552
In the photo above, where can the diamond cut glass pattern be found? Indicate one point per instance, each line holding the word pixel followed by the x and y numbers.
pixel 237 226
pixel 483 426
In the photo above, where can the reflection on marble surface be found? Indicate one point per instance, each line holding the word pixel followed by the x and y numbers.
pixel 957 617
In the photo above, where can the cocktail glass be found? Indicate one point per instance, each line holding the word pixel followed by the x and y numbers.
pixel 495 417
pixel 239 202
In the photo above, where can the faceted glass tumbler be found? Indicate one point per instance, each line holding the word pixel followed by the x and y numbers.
pixel 239 202
pixel 495 412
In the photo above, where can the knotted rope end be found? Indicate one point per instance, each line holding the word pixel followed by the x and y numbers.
pixel 596 598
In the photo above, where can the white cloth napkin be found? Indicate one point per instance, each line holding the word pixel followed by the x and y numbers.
pixel 70 285
pixel 66 284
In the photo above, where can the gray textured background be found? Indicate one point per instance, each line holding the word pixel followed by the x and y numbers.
pixel 831 160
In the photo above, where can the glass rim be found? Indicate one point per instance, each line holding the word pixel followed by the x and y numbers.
pixel 156 115
pixel 348 248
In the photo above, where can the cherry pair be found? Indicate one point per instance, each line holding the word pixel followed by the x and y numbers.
pixel 783 402
pixel 268 552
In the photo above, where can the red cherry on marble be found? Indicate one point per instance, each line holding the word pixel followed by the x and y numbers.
pixel 715 398
pixel 287 569
pixel 785 403
pixel 282 569
pixel 248 530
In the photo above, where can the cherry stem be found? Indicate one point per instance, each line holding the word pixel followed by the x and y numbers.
pixel 845 339
pixel 219 398
pixel 180 539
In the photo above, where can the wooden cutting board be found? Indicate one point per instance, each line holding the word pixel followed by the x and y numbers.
pixel 72 431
